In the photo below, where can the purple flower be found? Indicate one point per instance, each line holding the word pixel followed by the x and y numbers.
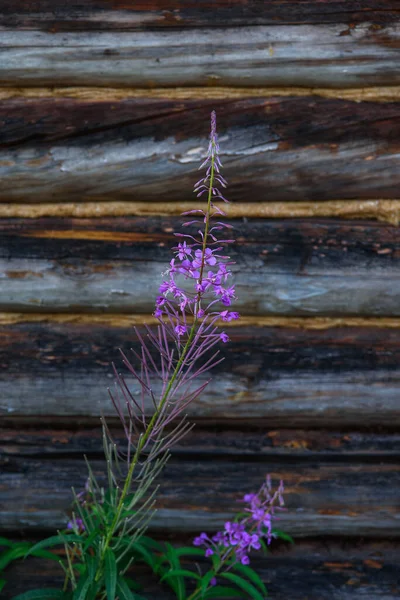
pixel 238 538
pixel 180 330
pixel 76 524
pixel 183 251
pixel 229 316
pixel 224 337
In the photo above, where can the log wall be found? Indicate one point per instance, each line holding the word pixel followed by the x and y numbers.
pixel 104 111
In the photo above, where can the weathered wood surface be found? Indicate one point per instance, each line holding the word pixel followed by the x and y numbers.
pixel 338 54
pixel 108 15
pixel 85 437
pixel 137 149
pixel 280 376
pixel 331 497
pixel 284 267
pixel 385 211
pixel 310 570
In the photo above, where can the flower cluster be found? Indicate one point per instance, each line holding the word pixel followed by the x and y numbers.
pixel 238 538
pixel 197 282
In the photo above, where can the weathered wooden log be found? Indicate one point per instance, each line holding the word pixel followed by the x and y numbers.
pixel 386 211
pixel 109 15
pixel 312 569
pixel 342 377
pixel 332 55
pixel 86 439
pixel 322 498
pixel 283 267
pixel 274 149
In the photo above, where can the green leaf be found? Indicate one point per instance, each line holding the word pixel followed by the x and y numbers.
pixel 18 551
pixel 182 572
pixel 221 591
pixel 110 573
pixel 82 589
pixel 252 575
pixel 244 585
pixel 189 551
pixel 46 594
pixel 91 565
pixel 146 556
pixel 178 583
pixel 283 536
pixel 132 584
pixel 124 592
pixel 148 542
pixel 2 583
pixel 56 540
pixel 46 554
pixel 206 581
pixel 5 542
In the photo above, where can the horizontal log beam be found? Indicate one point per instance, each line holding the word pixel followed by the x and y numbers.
pixel 39 440
pixel 142 150
pixel 110 94
pixel 283 268
pixel 130 320
pixel 322 499
pixel 341 377
pixel 109 15
pixel 322 55
pixel 386 211
pixel 327 570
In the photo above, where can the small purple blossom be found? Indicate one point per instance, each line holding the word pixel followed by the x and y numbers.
pixel 229 316
pixel 183 251
pixel 180 330
pixel 224 337
pixel 237 539
pixel 76 524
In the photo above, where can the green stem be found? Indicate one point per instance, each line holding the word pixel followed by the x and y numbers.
pixel 164 399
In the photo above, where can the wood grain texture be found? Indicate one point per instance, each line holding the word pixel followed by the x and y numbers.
pixel 386 211
pixel 287 267
pixel 207 441
pixel 122 15
pixel 309 570
pixel 279 377
pixel 273 149
pixel 322 498
pixel 111 94
pixel 321 55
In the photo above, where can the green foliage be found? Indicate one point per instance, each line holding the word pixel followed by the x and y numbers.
pixel 243 584
pixel 16 550
pixel 110 573
pixel 281 535
pixel 43 594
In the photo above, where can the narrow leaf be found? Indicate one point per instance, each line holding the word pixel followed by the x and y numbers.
pixel 189 551
pixel 132 584
pixel 82 589
pixel 252 575
pixel 124 592
pixel 56 540
pixel 182 572
pixel 46 594
pixel 244 585
pixel 110 574
pixel 283 536
pixel 5 542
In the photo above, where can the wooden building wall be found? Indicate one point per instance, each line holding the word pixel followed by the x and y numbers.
pixel 104 108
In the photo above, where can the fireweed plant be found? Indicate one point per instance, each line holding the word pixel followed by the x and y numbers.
pixel 106 533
